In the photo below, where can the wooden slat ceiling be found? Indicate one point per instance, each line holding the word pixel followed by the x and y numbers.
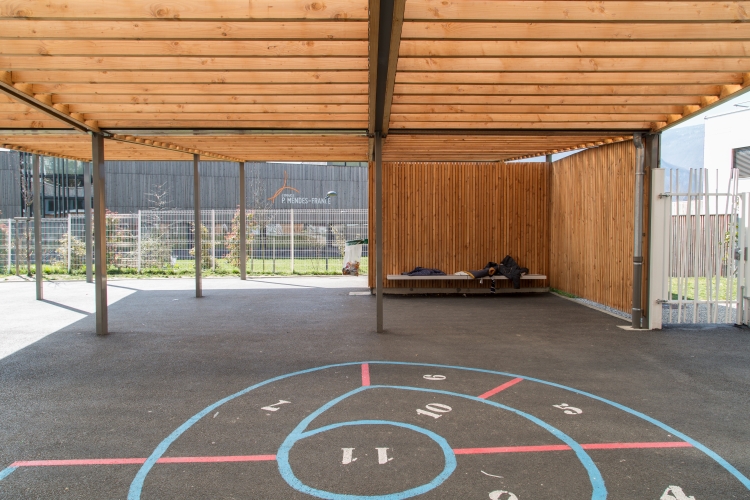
pixel 598 70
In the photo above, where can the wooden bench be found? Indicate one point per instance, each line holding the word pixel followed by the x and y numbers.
pixel 459 278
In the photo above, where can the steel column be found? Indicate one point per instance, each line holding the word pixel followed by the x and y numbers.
pixel 197 224
pixel 379 230
pixel 87 220
pixel 100 233
pixel 37 205
pixel 243 224
pixel 638 232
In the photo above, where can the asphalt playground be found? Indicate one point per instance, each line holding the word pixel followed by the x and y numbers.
pixel 279 388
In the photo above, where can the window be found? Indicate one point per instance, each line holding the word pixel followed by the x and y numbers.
pixel 742 161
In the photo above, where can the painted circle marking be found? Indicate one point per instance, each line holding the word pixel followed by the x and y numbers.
pixel 285 468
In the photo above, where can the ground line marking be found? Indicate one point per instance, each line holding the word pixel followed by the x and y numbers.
pixel 564 447
pixel 365 374
pixel 500 388
pixel 126 461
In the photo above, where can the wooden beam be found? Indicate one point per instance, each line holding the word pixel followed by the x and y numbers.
pixel 183 48
pixel 265 99
pixel 137 63
pixel 169 146
pixel 24 149
pixel 727 90
pixel 558 90
pixel 301 109
pixel 338 10
pixel 570 48
pixel 115 124
pixel 42 103
pixel 537 30
pixel 473 126
pixel 374 32
pixel 328 118
pixel 530 117
pixel 390 82
pixel 218 77
pixel 148 90
pixel 532 108
pixel 576 10
pixel 623 64
pixel 535 99
pixel 552 78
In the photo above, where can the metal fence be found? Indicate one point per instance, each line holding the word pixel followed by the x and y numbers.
pixel 278 241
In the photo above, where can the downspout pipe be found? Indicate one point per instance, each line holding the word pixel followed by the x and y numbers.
pixel 637 313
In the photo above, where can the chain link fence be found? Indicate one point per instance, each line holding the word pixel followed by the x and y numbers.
pixel 153 241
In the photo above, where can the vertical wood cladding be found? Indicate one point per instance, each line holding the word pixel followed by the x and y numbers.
pixel 591 217
pixel 459 216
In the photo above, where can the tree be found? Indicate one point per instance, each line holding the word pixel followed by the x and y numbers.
pixel 233 237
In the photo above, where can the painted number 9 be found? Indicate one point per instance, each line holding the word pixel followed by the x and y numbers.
pixel 434 377
pixel 435 410
pixel 499 495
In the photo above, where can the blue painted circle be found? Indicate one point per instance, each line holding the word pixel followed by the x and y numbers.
pixel 285 469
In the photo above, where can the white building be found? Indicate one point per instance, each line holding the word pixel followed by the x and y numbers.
pixel 727 143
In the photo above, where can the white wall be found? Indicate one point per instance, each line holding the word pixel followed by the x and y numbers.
pixel 725 132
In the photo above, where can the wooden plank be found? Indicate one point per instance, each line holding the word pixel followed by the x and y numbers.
pixel 132 98
pixel 582 99
pixel 624 126
pixel 219 124
pixel 184 48
pixel 186 9
pixel 453 277
pixel 328 118
pixel 136 63
pixel 584 90
pixel 577 10
pixel 495 64
pixel 529 108
pixel 374 35
pixel 571 48
pixel 224 108
pixel 196 89
pixel 572 116
pixel 538 30
pixel 544 78
pixel 183 30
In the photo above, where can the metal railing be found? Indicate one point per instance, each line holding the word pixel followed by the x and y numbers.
pixel 278 241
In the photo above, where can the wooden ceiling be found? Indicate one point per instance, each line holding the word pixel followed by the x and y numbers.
pixel 296 79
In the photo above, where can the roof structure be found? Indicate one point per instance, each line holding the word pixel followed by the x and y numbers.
pixel 316 79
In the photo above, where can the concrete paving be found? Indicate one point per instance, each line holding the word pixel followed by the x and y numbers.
pixel 279 388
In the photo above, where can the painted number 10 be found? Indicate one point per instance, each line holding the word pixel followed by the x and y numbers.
pixel 435 410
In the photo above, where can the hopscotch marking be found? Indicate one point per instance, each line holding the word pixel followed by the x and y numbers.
pixel 568 410
pixel 501 388
pixel 365 374
pixel 434 377
pixel 672 492
pixel 273 406
pixel 498 495
pixel 435 409
pixel 347 459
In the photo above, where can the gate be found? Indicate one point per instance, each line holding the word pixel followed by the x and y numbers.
pixel 698 248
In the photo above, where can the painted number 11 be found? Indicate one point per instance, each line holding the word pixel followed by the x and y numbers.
pixel 435 410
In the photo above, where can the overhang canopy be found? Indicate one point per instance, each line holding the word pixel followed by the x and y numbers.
pixel 297 79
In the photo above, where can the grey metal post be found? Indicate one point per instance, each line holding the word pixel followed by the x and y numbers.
pixel 38 257
pixel 638 232
pixel 379 230
pixel 548 158
pixel 243 225
pixel 197 219
pixel 100 233
pixel 87 221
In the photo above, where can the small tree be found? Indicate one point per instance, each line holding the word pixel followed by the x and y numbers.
pixel 77 251
pixel 232 238
pixel 156 241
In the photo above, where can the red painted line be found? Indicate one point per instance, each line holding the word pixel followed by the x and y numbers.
pixel 365 374
pixel 500 388
pixel 564 447
pixel 127 461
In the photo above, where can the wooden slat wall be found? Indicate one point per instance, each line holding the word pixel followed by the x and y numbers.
pixel 592 224
pixel 459 216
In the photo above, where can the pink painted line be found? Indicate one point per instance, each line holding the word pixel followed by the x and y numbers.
pixel 365 374
pixel 500 388
pixel 127 461
pixel 564 447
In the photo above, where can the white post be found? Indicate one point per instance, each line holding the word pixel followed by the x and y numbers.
pixel 69 243
pixel 291 238
pixel 659 257
pixel 138 256
pixel 740 246
pixel 10 244
pixel 213 240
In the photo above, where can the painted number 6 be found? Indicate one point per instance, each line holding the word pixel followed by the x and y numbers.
pixel 435 409
pixel 498 495
pixel 434 377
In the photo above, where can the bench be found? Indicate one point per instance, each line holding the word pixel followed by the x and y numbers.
pixel 459 278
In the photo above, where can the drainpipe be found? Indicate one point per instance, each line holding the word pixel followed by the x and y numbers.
pixel 638 232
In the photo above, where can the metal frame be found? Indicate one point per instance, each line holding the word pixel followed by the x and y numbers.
pixel 638 232
pixel 243 225
pixel 100 233
pixel 197 231
pixel 37 206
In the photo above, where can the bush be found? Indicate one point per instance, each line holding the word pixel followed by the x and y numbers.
pixel 233 237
